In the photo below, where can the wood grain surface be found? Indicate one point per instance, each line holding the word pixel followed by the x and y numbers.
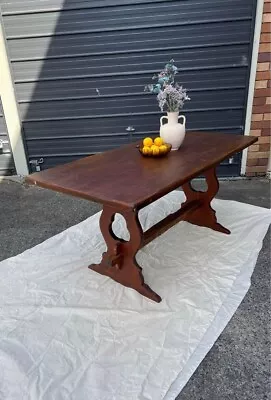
pixel 123 177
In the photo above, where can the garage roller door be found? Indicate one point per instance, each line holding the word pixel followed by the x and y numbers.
pixel 61 52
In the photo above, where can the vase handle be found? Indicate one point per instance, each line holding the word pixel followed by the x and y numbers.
pixel 184 119
pixel 161 119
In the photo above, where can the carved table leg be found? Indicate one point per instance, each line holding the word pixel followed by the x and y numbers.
pixel 204 215
pixel 119 262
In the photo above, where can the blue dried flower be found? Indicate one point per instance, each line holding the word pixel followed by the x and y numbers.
pixel 163 80
pixel 156 88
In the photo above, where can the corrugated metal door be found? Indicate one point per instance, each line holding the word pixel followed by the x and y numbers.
pixel 7 166
pixel 61 52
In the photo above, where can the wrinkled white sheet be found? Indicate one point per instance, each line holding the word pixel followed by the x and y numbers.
pixel 69 333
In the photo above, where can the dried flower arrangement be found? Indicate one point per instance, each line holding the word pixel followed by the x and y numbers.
pixel 170 95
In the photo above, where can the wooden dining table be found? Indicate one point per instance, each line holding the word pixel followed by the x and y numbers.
pixel 124 182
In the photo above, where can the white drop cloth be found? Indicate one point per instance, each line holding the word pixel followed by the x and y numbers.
pixel 69 333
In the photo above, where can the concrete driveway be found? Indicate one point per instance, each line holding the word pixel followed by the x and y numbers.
pixel 237 367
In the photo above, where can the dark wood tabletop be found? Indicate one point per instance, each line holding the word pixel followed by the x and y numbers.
pixel 124 178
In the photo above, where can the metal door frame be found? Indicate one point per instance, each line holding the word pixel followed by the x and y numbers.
pixel 253 70
pixel 9 104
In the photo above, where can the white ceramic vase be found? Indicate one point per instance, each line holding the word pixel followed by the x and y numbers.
pixel 173 132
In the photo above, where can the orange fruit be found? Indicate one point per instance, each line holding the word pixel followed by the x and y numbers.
pixel 146 150
pixel 147 142
pixel 163 149
pixel 158 141
pixel 155 150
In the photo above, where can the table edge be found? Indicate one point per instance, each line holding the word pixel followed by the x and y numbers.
pixel 30 179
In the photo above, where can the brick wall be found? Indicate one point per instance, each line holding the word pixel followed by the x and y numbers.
pixel 258 154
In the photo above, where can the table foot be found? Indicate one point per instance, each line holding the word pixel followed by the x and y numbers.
pixel 119 262
pixel 129 275
pixel 204 215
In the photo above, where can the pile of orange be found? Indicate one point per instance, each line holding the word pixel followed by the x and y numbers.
pixel 154 147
